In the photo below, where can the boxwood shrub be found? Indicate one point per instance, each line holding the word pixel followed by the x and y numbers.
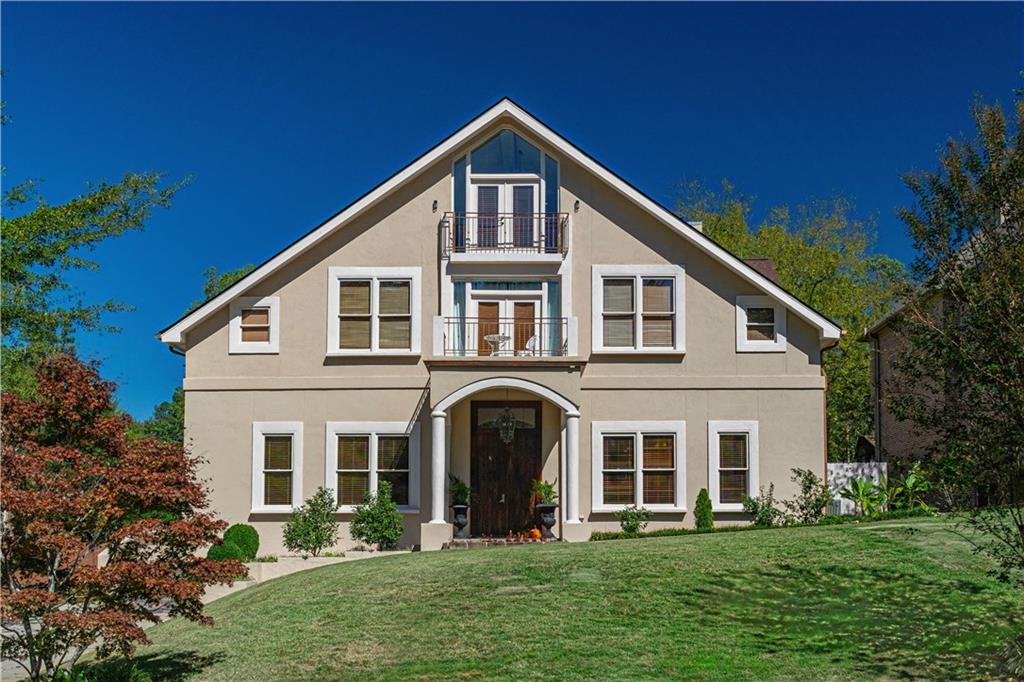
pixel 246 537
pixel 225 550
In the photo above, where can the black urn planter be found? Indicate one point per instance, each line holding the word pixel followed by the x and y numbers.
pixel 547 520
pixel 460 519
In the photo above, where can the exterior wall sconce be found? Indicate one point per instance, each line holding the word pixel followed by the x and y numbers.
pixel 434 207
pixel 575 206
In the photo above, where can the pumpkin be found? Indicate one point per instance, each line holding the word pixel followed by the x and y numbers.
pixel 534 534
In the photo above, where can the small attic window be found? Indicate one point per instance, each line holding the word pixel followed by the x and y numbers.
pixel 506 153
pixel 254 325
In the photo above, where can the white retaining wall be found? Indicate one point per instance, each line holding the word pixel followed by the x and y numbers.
pixel 841 473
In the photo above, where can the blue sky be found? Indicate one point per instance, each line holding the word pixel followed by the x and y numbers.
pixel 284 113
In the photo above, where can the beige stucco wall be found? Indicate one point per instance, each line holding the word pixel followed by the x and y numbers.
pixel 225 393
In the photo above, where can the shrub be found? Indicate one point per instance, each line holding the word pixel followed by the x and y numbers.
pixel 246 537
pixel 224 551
pixel 544 492
pixel 763 508
pixel 702 512
pixel 812 500
pixel 863 493
pixel 266 559
pixel 312 527
pixel 113 670
pixel 459 490
pixel 377 520
pixel 633 519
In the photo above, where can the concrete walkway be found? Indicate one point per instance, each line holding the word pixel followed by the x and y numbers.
pixel 259 572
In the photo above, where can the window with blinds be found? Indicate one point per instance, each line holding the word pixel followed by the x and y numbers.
pixel 619 313
pixel 619 470
pixel 354 315
pixel 255 325
pixel 375 314
pixel 393 466
pixel 638 468
pixel 659 469
pixel 760 324
pixel 353 469
pixel 638 312
pixel 277 470
pixel 733 467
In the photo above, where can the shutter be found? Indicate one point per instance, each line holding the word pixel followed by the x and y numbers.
pixel 732 451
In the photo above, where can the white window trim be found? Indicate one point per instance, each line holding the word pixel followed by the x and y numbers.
pixel 638 273
pixel 599 429
pixel 259 430
pixel 715 428
pixel 235 343
pixel 743 345
pixel 373 430
pixel 336 274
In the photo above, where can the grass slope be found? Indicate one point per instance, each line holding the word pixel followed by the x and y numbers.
pixel 875 601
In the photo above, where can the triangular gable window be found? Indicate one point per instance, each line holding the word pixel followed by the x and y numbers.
pixel 504 153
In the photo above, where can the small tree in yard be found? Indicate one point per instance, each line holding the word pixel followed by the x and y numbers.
pixel 812 500
pixel 702 513
pixel 312 528
pixel 75 483
pixel 378 521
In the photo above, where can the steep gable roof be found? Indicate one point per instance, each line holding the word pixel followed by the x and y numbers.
pixel 828 330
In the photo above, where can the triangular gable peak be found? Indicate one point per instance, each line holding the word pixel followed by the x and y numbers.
pixel 507 109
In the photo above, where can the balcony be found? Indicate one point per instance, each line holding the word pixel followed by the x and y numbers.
pixel 505 337
pixel 479 237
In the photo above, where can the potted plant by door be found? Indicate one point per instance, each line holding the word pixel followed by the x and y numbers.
pixel 545 495
pixel 460 493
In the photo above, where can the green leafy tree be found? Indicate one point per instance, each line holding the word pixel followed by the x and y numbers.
pixel 214 282
pixel 42 244
pixel 811 502
pixel 960 376
pixel 824 255
pixel 377 521
pixel 312 527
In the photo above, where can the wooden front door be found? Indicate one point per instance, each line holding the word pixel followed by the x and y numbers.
pixel 500 474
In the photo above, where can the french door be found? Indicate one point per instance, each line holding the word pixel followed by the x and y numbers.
pixel 507 214
pixel 507 326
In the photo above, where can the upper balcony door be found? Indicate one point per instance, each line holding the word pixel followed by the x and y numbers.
pixel 507 213
pixel 506 325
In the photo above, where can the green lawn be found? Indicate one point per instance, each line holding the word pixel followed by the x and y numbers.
pixel 899 599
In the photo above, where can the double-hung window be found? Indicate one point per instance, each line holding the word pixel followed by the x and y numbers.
pixel 760 325
pixel 254 325
pixel 732 463
pixel 373 310
pixel 361 455
pixel 639 463
pixel 276 466
pixel 637 309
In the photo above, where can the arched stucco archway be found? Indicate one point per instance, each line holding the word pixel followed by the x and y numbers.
pixel 438 459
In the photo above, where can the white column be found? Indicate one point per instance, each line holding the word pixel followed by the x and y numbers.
pixel 437 460
pixel 572 467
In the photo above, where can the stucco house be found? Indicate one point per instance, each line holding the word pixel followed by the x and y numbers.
pixel 501 309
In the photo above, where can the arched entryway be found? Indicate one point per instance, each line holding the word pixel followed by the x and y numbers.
pixel 568 437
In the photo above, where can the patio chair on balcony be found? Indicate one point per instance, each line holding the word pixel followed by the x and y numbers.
pixel 530 349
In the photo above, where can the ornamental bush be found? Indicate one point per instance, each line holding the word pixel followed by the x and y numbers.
pixel 763 508
pixel 702 512
pixel 224 551
pixel 312 528
pixel 377 520
pixel 633 519
pixel 812 500
pixel 246 537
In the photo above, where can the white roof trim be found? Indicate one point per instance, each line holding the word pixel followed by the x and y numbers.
pixel 828 331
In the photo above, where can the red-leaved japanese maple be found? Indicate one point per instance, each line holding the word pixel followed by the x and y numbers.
pixel 74 483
